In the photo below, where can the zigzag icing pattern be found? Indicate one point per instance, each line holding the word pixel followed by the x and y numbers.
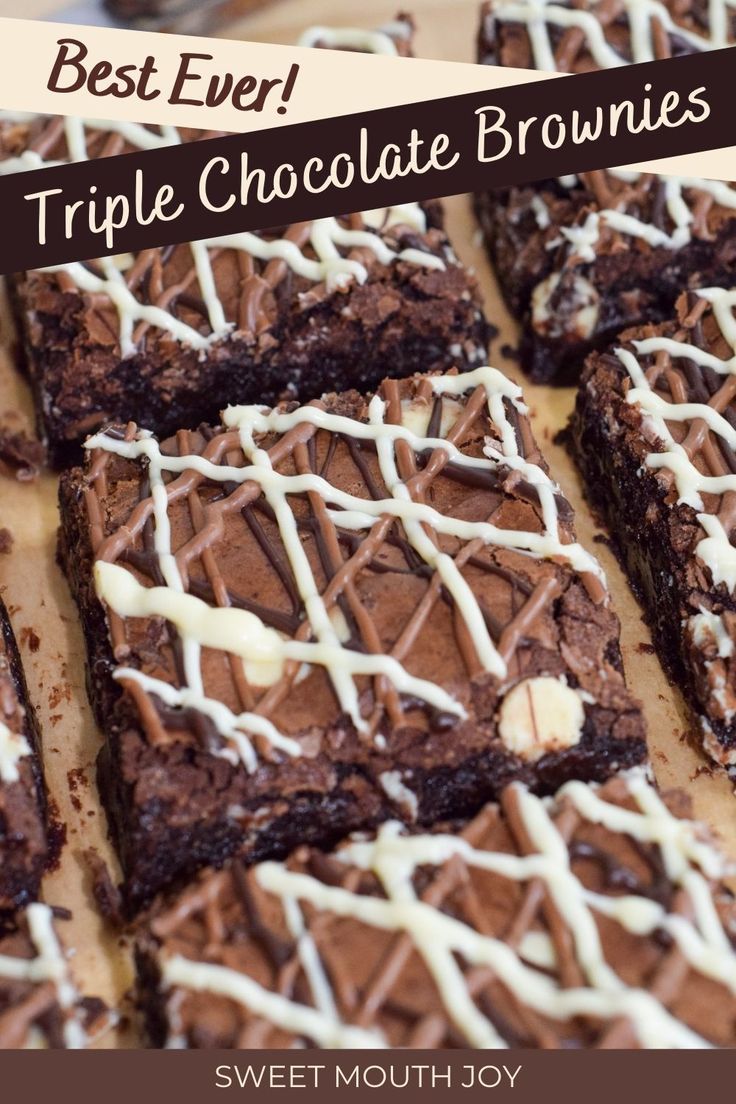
pixel 440 939
pixel 265 651
pixel 585 237
pixel 641 16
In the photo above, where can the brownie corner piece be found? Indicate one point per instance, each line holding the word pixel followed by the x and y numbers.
pixel 597 919
pixel 653 435
pixel 309 619
pixel 580 258
pixel 23 828
pixel 168 337
pixel 40 1006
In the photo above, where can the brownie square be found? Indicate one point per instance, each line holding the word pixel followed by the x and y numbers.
pixel 23 841
pixel 391 618
pixel 653 432
pixel 561 925
pixel 168 337
pixel 580 258
pixel 40 1006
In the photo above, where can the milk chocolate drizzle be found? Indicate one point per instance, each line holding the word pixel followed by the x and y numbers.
pixel 200 493
pixel 455 921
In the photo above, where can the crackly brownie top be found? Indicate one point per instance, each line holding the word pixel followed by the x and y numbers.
pixel 318 580
pixel 680 381
pixel 592 920
pixel 39 1002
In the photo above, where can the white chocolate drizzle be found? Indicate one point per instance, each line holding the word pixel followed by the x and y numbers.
pixel 262 649
pixel 329 240
pixel 715 549
pixel 325 1029
pixel 706 628
pixel 379 42
pixel 584 237
pixel 395 788
pixel 441 940
pixel 50 964
pixel 13 747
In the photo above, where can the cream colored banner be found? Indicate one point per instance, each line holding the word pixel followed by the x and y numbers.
pixel 215 84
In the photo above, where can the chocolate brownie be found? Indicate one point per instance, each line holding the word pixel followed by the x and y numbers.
pixel 39 1002
pixel 310 619
pixel 583 257
pixel 23 842
pixel 653 432
pixel 170 336
pixel 595 921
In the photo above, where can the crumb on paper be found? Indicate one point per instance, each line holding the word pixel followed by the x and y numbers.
pixel 510 352
pixel 30 639
pixel 73 779
pixel 21 456
pixel 105 892
pixel 59 694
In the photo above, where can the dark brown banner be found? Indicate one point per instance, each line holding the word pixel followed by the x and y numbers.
pixel 524 1077
pixel 206 189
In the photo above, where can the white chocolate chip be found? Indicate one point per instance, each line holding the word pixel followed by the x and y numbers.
pixel 416 413
pixel 577 314
pixel 708 630
pixel 540 715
